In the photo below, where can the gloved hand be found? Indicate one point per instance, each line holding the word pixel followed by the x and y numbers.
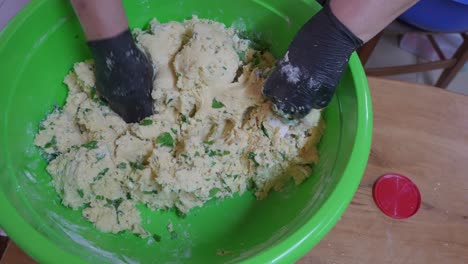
pixel 124 76
pixel 307 76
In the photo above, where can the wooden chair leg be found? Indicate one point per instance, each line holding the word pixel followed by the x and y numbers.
pixel 366 50
pixel 461 56
pixel 3 245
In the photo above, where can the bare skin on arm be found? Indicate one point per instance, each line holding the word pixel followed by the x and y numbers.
pixel 101 19
pixel 366 18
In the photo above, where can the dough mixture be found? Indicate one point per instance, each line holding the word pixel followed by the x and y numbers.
pixel 213 134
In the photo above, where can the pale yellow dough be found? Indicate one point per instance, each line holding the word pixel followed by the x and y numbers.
pixel 213 133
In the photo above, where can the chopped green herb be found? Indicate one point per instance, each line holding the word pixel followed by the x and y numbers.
pixel 80 193
pixel 116 203
pixel 174 131
pixel 93 92
pixel 252 156
pixel 146 122
pixel 212 153
pixel 41 127
pixel 90 145
pixel 122 165
pixel 129 196
pixel 241 55
pixel 197 154
pixel 150 192
pixel 101 174
pixel 180 213
pixel 99 197
pixel 255 60
pixel 157 238
pixel 184 155
pixel 211 142
pixel 283 155
pixel 184 119
pixel 224 68
pixel 165 139
pixel 265 131
pixel 168 101
pixel 216 104
pixel 49 156
pixel 222 179
pixel 213 163
pixel 251 184
pixel 214 191
pixel 179 74
pixel 86 110
pixel 136 166
pixel 100 101
pixel 51 143
pixel 100 156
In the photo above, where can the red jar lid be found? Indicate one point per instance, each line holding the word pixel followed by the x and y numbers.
pixel 396 196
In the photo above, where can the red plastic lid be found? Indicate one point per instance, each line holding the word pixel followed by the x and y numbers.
pixel 396 196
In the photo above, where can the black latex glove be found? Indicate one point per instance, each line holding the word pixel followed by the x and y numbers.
pixel 306 78
pixel 124 76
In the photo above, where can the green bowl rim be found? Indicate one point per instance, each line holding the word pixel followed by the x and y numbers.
pixel 306 237
pixel 288 250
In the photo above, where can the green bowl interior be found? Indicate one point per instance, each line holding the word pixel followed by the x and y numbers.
pixel 37 50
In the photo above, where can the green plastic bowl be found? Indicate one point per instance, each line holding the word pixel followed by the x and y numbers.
pixel 39 47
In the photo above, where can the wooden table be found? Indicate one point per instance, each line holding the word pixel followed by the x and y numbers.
pixel 421 132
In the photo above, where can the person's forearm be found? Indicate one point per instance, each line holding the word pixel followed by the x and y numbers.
pixel 101 19
pixel 366 18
